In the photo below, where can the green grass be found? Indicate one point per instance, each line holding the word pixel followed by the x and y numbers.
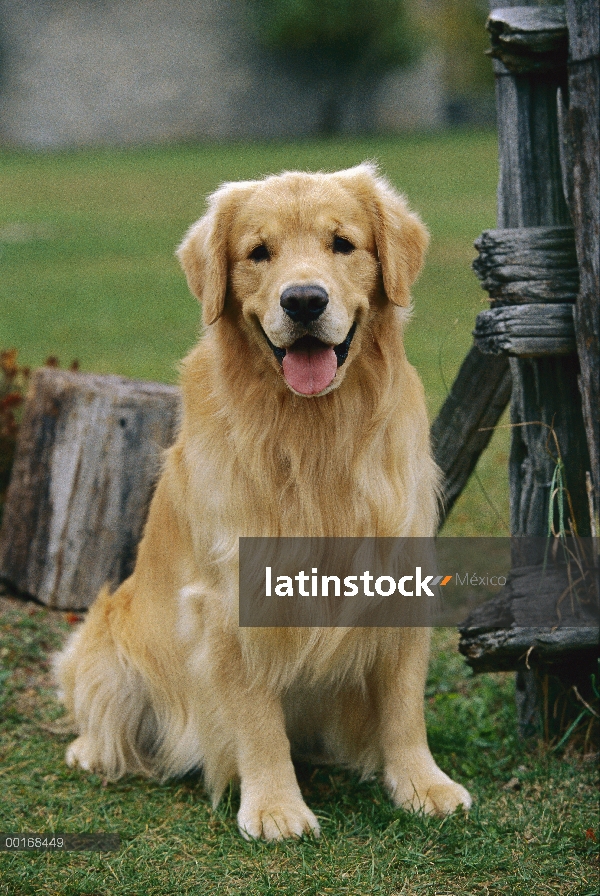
pixel 525 835
pixel 88 271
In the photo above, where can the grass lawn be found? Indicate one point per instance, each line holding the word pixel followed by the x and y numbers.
pixel 88 272
pixel 531 831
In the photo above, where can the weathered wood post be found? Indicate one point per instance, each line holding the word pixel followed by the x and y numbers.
pixel 582 127
pixel 529 265
pixel 465 424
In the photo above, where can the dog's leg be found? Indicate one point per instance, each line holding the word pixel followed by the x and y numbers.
pixel 271 804
pixel 411 774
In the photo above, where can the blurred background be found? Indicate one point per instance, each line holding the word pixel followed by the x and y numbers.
pixel 84 72
pixel 117 117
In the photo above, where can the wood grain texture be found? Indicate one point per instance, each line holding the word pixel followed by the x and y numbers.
pixel 466 421
pixel 532 207
pixel 583 20
pixel 530 195
pixel 528 264
pixel 582 126
pixel 529 38
pixel 545 410
pixel 536 157
pixel 508 649
pixel 85 467
pixel 529 331
pixel 530 178
pixel 552 613
pixel 566 597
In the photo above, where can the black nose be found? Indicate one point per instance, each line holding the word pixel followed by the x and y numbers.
pixel 304 303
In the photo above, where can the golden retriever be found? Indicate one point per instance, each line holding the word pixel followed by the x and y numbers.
pixel 301 417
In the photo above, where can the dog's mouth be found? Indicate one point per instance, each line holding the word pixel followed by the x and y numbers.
pixel 309 365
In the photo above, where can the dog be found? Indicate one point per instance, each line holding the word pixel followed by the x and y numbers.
pixel 301 417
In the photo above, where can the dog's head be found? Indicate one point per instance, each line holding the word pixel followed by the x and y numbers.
pixel 301 262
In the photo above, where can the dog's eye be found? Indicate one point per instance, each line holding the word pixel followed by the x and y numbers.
pixel 342 245
pixel 260 253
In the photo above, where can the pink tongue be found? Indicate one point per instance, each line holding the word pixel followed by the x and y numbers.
pixel 309 366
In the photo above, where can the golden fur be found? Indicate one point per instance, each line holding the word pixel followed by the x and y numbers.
pixel 161 679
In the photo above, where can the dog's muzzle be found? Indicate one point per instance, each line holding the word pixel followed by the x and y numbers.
pixel 309 365
pixel 341 350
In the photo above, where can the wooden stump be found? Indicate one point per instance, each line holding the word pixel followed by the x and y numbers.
pixel 87 460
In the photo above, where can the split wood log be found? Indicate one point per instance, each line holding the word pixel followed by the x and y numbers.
pixel 529 39
pixel 526 331
pixel 543 616
pixel 528 264
pixel 506 649
pixel 86 463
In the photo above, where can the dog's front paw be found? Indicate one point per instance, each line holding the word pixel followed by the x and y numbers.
pixel 274 818
pixel 433 793
pixel 80 753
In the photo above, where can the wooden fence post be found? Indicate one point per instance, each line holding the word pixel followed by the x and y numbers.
pixel 528 266
pixel 582 126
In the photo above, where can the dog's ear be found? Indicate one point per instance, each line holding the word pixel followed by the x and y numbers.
pixel 400 236
pixel 203 254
